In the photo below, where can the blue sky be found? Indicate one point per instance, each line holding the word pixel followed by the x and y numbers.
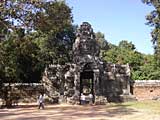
pixel 117 19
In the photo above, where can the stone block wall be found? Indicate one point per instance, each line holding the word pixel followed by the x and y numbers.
pixel 146 89
pixel 21 92
pixel 59 82
pixel 110 81
pixel 115 82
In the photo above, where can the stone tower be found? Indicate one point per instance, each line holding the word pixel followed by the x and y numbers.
pixel 86 57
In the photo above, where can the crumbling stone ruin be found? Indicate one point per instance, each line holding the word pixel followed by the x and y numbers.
pixel 87 74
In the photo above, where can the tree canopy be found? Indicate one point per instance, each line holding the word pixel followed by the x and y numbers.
pixel 143 67
pixel 153 20
pixel 33 35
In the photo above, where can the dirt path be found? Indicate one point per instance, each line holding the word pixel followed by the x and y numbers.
pixel 70 112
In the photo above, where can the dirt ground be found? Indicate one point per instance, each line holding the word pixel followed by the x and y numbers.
pixel 76 112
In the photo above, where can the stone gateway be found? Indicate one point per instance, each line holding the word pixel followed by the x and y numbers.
pixel 87 75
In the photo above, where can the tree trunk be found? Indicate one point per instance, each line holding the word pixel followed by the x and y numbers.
pixel 7 97
pixel 8 103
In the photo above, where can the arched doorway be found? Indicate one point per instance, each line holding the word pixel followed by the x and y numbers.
pixel 87 83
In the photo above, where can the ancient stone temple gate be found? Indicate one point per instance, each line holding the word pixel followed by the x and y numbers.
pixel 86 58
pixel 87 74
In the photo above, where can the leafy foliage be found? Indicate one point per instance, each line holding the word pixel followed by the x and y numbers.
pixel 154 21
pixel 102 42
pixel 143 67
pixel 38 33
pixel 123 54
pixel 124 44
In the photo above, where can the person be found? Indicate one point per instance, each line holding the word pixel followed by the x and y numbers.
pixel 90 99
pixel 41 101
pixel 82 99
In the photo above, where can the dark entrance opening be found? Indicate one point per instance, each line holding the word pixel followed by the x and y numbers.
pixel 87 86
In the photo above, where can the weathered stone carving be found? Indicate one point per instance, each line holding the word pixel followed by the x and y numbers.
pixel 88 74
pixel 85 46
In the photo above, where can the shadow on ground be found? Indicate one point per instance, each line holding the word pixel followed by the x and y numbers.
pixel 66 112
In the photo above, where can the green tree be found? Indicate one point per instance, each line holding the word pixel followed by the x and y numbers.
pixel 102 42
pixel 154 21
pixel 43 26
pixel 148 70
pixel 124 44
pixel 7 68
pixel 55 25
pixel 124 53
pixel 143 67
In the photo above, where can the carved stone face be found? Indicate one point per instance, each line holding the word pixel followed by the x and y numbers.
pixel 86 29
pixel 87 44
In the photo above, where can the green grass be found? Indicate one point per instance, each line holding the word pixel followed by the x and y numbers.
pixel 150 105
pixel 138 110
